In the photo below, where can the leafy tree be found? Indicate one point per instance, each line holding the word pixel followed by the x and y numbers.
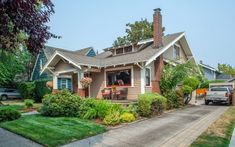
pixel 23 22
pixel 175 75
pixel 227 69
pixel 135 32
pixel 13 65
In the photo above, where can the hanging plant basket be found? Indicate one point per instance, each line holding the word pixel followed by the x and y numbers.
pixel 86 82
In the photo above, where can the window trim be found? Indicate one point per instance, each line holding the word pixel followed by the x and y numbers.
pixel 66 77
pixel 175 57
pixel 117 69
pixel 150 77
pixel 41 64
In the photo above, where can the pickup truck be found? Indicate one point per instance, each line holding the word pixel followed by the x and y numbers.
pixel 219 94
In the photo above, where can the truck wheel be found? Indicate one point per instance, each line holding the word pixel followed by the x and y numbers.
pixel 207 102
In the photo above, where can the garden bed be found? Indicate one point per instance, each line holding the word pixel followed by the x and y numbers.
pixel 20 106
pixel 53 131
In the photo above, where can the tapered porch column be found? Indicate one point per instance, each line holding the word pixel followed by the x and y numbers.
pixel 55 86
pixel 81 90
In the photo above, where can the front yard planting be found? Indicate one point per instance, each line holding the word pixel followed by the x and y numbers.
pixel 53 131
pixel 219 133
pixel 21 105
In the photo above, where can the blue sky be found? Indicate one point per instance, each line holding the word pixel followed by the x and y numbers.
pixel 209 24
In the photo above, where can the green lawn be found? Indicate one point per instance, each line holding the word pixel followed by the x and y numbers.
pixel 219 133
pixel 15 107
pixel 53 131
pixel 18 105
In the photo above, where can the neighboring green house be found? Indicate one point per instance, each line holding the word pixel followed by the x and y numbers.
pixel 45 55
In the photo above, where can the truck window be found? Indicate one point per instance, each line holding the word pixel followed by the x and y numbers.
pixel 218 89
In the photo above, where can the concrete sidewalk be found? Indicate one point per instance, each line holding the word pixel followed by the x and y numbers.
pixel 179 128
pixel 9 139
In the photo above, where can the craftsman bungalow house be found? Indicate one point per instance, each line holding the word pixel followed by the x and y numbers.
pixel 135 67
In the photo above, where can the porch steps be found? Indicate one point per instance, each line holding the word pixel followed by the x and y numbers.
pixel 124 102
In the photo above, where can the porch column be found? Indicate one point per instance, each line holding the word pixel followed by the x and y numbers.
pixel 81 91
pixel 142 80
pixel 55 86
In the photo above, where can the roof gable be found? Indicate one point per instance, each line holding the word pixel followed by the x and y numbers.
pixel 146 53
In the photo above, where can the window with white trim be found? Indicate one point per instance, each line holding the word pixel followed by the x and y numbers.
pixel 63 83
pixel 119 77
pixel 147 77
pixel 176 52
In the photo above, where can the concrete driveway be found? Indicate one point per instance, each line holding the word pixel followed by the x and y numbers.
pixel 178 128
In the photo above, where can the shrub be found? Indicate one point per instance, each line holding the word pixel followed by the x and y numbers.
pixel 113 114
pixel 41 89
pixel 61 104
pixel 112 118
pixel 206 83
pixel 151 103
pixel 27 89
pixel 28 103
pixel 92 108
pixel 127 117
pixel 187 89
pixel 132 108
pixel 192 82
pixel 174 99
pixel 9 114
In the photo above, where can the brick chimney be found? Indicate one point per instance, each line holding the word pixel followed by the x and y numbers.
pixel 157 28
pixel 157 41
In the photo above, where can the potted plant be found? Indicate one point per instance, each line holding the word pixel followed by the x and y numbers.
pixel 86 82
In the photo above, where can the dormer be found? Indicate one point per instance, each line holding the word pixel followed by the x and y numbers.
pixel 121 50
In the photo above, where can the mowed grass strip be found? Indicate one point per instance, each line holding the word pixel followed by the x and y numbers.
pixel 53 131
pixel 15 107
pixel 219 133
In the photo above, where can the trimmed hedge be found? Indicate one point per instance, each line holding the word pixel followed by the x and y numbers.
pixel 27 90
pixel 9 114
pixel 151 104
pixel 34 90
pixel 41 90
pixel 61 104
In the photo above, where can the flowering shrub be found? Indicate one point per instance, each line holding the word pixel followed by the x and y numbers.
pixel 85 82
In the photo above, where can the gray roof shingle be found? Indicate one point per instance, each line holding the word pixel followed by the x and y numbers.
pixel 105 59
pixel 49 51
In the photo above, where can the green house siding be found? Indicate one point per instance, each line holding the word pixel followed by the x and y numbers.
pixel 36 73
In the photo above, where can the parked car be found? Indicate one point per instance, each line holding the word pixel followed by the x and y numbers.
pixel 9 93
pixel 219 94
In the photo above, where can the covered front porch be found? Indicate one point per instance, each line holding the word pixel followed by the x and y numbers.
pixel 67 75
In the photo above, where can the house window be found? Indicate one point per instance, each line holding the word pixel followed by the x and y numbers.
pixel 64 83
pixel 176 52
pixel 128 49
pixel 118 77
pixel 147 77
pixel 119 51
